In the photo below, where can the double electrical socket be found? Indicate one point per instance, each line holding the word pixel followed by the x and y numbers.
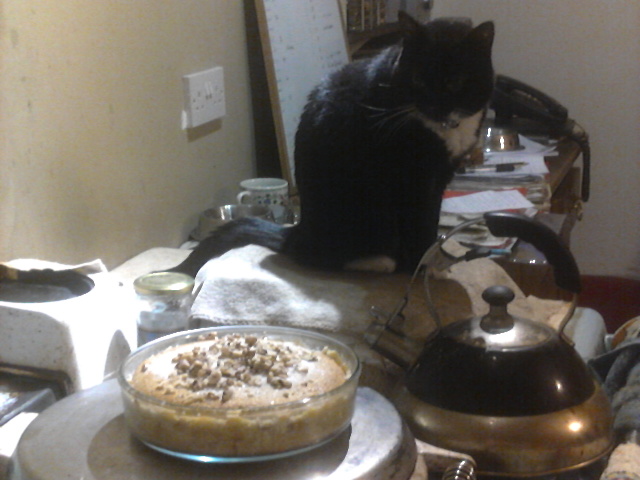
pixel 203 97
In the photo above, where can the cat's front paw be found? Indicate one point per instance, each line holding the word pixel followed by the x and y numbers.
pixel 377 263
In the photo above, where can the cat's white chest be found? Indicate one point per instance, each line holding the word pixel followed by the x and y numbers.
pixel 461 138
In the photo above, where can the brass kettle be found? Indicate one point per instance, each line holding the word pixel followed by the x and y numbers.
pixel 512 393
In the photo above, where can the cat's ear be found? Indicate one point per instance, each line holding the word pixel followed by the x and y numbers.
pixel 482 36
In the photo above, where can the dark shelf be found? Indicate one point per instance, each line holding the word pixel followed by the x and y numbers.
pixel 372 41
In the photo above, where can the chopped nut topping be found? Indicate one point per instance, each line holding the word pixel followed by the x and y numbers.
pixel 237 360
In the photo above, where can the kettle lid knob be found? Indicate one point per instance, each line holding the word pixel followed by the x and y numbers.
pixel 498 320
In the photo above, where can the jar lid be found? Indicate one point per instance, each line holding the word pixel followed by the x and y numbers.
pixel 164 283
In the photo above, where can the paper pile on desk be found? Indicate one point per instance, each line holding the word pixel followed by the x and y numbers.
pixel 525 189
pixel 529 177
pixel 532 155
pixel 485 201
pixel 460 207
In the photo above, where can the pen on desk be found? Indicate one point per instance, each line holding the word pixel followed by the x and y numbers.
pixel 499 167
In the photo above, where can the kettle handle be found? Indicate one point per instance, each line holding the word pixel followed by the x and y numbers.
pixel 385 338
pixel 565 269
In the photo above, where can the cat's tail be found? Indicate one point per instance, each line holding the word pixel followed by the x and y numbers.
pixel 235 234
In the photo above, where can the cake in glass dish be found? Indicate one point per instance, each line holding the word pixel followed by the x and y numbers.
pixel 239 393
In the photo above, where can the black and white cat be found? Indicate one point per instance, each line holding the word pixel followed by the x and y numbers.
pixel 377 143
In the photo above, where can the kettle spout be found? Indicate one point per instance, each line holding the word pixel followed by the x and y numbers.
pixel 388 340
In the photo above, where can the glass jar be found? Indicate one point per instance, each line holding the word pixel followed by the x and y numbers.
pixel 164 303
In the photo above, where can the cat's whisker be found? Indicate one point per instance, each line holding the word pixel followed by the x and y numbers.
pixel 384 110
pixel 389 114
pixel 391 120
pixel 378 109
pixel 389 123
pixel 391 128
pixel 399 124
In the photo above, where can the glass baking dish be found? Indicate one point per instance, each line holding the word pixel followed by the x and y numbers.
pixel 240 433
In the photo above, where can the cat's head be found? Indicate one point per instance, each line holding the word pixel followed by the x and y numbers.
pixel 445 67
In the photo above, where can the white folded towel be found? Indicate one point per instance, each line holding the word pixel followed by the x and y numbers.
pixel 254 285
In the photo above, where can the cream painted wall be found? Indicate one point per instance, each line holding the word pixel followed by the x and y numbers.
pixel 93 160
pixel 586 54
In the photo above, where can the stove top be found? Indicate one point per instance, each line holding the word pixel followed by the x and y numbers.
pixel 85 436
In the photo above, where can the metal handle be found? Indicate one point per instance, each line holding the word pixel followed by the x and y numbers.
pixel 509 224
pixel 500 224
pixel 565 270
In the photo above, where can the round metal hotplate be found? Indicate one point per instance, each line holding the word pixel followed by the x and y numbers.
pixel 84 436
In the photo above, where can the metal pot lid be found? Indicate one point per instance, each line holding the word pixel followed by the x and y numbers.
pixel 84 436
pixel 498 329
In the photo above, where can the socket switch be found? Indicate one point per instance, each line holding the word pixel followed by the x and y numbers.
pixel 203 97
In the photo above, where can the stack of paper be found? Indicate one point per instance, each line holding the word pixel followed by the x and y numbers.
pixel 532 155
pixel 529 177
pixel 525 189
pixel 459 208
pixel 486 201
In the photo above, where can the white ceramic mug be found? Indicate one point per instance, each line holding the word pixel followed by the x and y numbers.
pixel 273 192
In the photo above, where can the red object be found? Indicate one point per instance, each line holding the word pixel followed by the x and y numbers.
pixel 616 299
